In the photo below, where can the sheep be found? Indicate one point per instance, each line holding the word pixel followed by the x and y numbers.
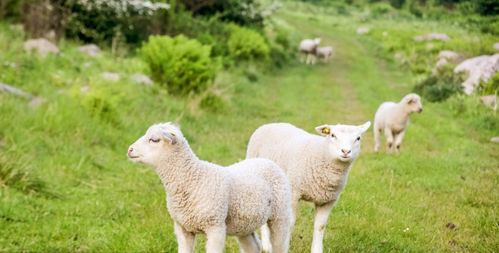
pixel 308 48
pixel 324 53
pixel 392 119
pixel 317 166
pixel 203 197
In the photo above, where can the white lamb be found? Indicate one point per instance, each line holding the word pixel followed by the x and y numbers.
pixel 308 48
pixel 324 53
pixel 392 119
pixel 203 197
pixel 317 166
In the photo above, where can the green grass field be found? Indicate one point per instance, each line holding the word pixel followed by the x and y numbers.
pixel 67 186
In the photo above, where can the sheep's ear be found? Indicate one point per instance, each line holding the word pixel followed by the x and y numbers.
pixel 365 126
pixel 323 130
pixel 170 137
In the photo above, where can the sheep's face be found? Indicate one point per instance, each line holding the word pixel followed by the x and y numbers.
pixel 157 142
pixel 317 41
pixel 343 140
pixel 413 103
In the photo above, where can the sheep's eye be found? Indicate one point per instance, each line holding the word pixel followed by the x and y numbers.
pixel 154 140
pixel 332 135
pixel 358 138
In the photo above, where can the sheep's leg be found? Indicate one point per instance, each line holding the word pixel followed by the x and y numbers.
pixel 389 139
pixel 320 222
pixel 307 61
pixel 398 141
pixel 267 246
pixel 377 139
pixel 216 240
pixel 279 234
pixel 249 243
pixel 185 239
pixel 294 208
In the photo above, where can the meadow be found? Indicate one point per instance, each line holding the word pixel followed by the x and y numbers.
pixel 66 184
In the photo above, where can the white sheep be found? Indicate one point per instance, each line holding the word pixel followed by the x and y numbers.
pixel 203 197
pixel 392 119
pixel 317 166
pixel 308 48
pixel 324 53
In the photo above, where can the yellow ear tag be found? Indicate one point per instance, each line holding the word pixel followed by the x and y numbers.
pixel 325 130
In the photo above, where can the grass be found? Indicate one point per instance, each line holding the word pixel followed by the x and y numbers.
pixel 75 143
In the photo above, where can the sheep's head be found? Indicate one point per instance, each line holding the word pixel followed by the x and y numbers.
pixel 317 41
pixel 343 140
pixel 413 103
pixel 158 141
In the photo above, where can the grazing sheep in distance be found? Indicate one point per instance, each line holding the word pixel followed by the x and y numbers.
pixel 203 197
pixel 308 48
pixel 392 119
pixel 317 166
pixel 324 53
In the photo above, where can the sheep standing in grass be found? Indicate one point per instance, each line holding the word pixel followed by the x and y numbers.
pixel 392 119
pixel 317 166
pixel 308 49
pixel 207 198
pixel 324 53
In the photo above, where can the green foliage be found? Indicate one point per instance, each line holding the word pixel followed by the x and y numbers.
pixel 474 111
pixel 488 7
pixel 212 102
pixel 19 175
pixel 182 65
pixel 247 44
pixel 439 87
pixel 102 102
pixel 491 86
pixel 381 9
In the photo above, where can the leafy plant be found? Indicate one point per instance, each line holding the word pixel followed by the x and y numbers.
pixel 439 87
pixel 181 64
pixel 247 44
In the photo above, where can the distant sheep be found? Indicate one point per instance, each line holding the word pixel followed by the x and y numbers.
pixel 392 119
pixel 317 166
pixel 324 53
pixel 308 49
pixel 203 197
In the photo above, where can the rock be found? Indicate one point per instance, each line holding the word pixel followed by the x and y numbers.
pixel 496 46
pixel 495 139
pixel 479 69
pixel 85 89
pixel 42 46
pixel 37 101
pixel 141 79
pixel 440 63
pixel 110 76
pixel 90 50
pixel 362 30
pixel 490 101
pixel 15 91
pixel 432 36
pixel 448 55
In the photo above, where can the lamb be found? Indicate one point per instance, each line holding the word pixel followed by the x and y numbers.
pixel 317 166
pixel 308 48
pixel 392 119
pixel 324 53
pixel 203 197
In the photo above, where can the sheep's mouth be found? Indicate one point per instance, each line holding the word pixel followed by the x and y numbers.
pixel 133 157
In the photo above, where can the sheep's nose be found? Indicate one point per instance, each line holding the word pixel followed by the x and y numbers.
pixel 130 150
pixel 345 151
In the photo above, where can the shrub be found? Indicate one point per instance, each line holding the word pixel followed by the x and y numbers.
pixel 491 86
pixel 247 44
pixel 182 65
pixel 380 9
pixel 439 87
pixel 212 102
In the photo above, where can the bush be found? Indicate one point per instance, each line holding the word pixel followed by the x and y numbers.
pixel 247 44
pixel 491 86
pixel 182 65
pixel 437 88
pixel 212 102
pixel 380 9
